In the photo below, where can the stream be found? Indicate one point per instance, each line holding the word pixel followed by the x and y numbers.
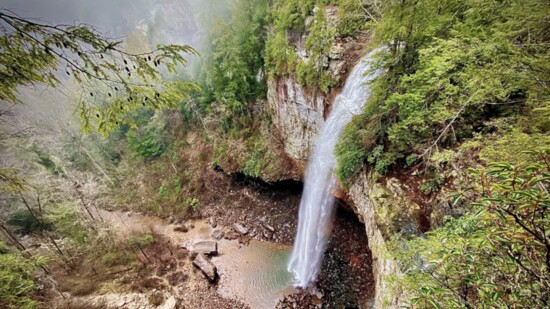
pixel 254 273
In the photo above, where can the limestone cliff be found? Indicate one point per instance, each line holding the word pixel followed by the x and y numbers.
pixel 297 114
pixel 370 200
pixel 383 208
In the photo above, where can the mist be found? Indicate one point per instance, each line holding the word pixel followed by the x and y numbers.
pixel 153 22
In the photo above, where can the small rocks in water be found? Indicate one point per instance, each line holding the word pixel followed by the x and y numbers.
pixel 217 234
pixel 319 294
pixel 182 228
pixel 240 229
pixel 206 266
pixel 213 222
pixel 170 303
pixel 208 247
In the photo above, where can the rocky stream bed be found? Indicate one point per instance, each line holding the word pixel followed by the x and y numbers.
pixel 234 255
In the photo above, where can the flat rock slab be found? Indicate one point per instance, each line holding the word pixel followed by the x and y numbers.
pixel 206 247
pixel 240 229
pixel 217 234
pixel 206 266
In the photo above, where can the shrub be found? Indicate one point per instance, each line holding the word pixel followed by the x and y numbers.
pixel 193 202
pixel 65 220
pixel 432 184
pixel 494 256
pixel 16 281
pixel 149 141
pixel 26 223
pixel 111 259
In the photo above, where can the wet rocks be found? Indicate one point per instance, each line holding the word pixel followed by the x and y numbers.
pixel 212 222
pixel 217 234
pixel 206 247
pixel 170 303
pixel 268 235
pixel 239 228
pixel 206 266
pixel 231 235
pixel 181 228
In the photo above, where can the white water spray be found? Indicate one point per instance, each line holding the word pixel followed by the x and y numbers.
pixel 316 207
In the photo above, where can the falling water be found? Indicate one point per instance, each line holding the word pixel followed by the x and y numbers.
pixel 316 207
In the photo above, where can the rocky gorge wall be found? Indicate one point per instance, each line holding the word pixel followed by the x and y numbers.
pixel 367 199
pixel 298 115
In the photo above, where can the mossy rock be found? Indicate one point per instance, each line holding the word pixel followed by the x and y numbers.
pixel 395 212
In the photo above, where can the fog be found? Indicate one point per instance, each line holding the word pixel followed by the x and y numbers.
pixel 157 21
pixel 162 21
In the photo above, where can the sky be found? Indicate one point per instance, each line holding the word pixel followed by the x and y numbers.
pixel 109 16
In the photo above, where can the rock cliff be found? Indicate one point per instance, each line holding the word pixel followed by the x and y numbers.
pixel 369 200
pixel 298 115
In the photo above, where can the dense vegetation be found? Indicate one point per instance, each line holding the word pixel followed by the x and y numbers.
pixel 232 78
pixel 289 19
pixel 16 280
pixel 450 68
pixel 497 255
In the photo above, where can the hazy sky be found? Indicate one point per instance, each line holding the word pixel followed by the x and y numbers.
pixel 114 17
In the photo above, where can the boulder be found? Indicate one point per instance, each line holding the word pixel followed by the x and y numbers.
pixel 213 222
pixel 207 247
pixel 170 303
pixel 217 234
pixel 268 227
pixel 182 228
pixel 206 266
pixel 239 228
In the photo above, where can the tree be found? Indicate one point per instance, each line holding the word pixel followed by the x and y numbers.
pixel 114 81
pixel 497 255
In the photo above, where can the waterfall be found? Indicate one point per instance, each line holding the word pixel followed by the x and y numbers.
pixel 316 207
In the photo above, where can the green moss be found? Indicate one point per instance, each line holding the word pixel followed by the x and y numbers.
pixel 289 16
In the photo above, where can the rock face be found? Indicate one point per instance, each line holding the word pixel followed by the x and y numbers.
pixel 297 115
pixel 367 201
pixel 206 247
pixel 206 266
